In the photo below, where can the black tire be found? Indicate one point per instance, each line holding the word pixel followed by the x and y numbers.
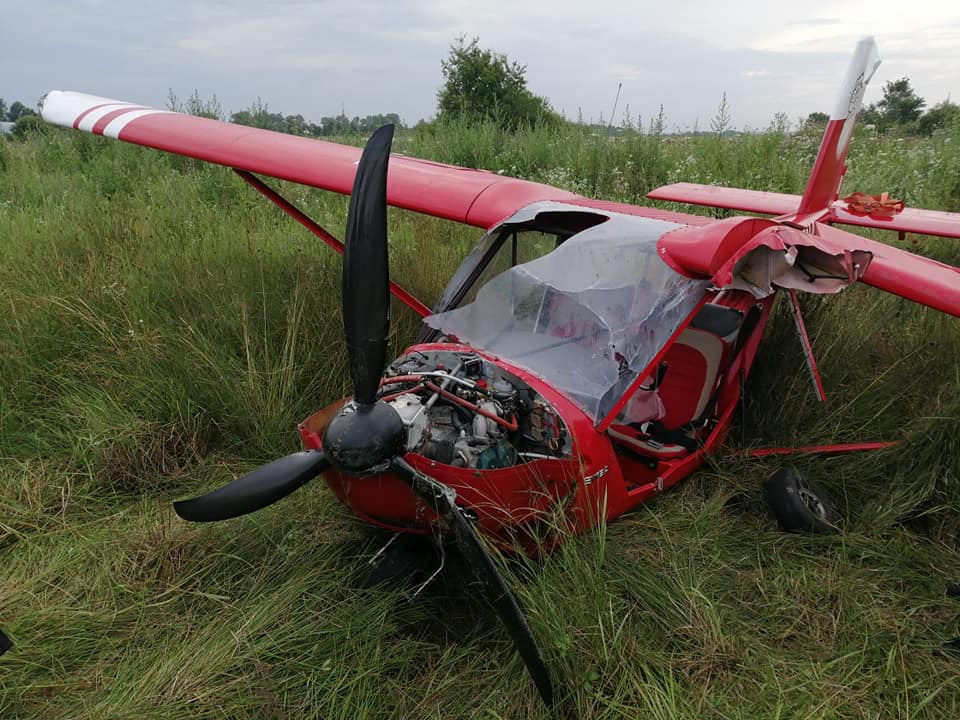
pixel 800 505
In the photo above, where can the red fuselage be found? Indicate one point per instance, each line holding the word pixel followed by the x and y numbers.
pixel 602 478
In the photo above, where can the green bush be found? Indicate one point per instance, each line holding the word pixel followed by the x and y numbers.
pixel 29 125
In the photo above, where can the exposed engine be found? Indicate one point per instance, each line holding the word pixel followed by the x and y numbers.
pixel 462 410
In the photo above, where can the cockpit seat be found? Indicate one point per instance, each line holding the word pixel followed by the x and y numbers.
pixel 641 443
pixel 694 367
pixel 722 321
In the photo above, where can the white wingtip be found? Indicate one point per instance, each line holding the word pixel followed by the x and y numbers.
pixel 64 107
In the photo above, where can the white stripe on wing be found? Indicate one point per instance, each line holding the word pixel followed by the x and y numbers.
pixel 114 127
pixel 90 119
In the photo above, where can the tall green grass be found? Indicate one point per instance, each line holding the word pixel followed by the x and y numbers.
pixel 163 330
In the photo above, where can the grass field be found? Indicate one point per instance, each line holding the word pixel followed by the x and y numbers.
pixel 163 329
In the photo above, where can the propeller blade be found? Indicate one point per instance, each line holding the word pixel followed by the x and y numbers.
pixel 366 274
pixel 442 499
pixel 255 490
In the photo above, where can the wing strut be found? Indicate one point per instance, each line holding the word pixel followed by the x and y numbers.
pixel 807 347
pixel 816 449
pixel 301 217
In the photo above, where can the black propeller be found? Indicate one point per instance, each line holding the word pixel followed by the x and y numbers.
pixel 367 435
pixel 262 487
pixel 442 499
pixel 366 273
pixel 366 430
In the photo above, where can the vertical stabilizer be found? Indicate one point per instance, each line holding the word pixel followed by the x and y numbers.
pixel 830 165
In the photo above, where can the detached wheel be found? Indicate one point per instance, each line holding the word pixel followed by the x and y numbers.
pixel 800 504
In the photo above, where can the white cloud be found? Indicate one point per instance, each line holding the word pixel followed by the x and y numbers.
pixel 366 56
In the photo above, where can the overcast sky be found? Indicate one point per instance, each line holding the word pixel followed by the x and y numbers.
pixel 364 57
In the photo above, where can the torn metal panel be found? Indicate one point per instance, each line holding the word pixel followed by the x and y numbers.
pixel 786 257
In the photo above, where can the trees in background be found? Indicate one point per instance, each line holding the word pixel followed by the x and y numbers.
pixel 899 106
pixel 480 85
pixel 342 125
pixel 26 120
pixel 940 115
pixel 15 111
pixel 18 110
pixel 258 115
pixel 816 120
pixel 195 105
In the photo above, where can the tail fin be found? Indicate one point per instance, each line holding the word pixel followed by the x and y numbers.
pixel 828 170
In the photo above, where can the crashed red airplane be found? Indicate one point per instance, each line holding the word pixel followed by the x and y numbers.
pixel 586 356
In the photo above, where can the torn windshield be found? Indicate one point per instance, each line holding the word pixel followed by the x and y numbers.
pixel 587 317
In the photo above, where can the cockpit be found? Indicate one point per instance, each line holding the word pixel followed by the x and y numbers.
pixel 578 298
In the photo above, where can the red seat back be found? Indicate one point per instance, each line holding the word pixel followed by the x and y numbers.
pixel 693 367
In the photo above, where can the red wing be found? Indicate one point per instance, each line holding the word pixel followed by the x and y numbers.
pixel 758 201
pixel 475 197
pixel 914 277
pixel 914 220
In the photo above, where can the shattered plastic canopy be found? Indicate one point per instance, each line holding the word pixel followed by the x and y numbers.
pixel 587 317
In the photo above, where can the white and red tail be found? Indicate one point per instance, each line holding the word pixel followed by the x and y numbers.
pixel 819 202
pixel 831 163
pixel 823 186
pixel 889 268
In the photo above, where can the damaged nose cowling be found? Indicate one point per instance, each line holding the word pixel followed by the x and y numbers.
pixel 364 438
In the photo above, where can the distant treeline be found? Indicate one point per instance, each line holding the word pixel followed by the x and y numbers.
pixel 901 109
pixel 16 111
pixel 258 115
